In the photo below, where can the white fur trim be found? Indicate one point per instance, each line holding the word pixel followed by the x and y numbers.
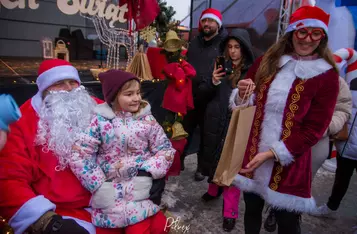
pixel 236 102
pixel 104 110
pixel 53 75
pixel 29 212
pixel 233 99
pixel 48 78
pixel 86 225
pixel 212 16
pixel 277 200
pixel 107 112
pixel 284 155
pixel 315 23
pixel 273 119
pixel 306 69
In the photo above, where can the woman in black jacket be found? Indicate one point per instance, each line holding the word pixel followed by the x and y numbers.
pixel 238 58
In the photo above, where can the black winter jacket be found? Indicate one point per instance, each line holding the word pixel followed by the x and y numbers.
pixel 201 55
pixel 218 113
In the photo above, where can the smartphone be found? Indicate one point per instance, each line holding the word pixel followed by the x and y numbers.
pixel 220 62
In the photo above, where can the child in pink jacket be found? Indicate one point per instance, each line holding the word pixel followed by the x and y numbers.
pixel 120 154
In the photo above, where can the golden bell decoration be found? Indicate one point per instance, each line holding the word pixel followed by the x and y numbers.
pixel 178 132
pixel 172 43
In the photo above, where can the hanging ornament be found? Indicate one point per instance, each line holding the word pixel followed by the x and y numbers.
pixel 153 43
pixel 148 33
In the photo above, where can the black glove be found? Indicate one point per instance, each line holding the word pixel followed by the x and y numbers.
pixel 157 188
pixel 58 225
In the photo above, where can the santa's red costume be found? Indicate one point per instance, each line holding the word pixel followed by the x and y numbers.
pixel 293 110
pixel 34 178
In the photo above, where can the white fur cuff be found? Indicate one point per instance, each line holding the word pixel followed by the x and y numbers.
pixel 142 186
pixel 104 197
pixel 235 101
pixel 284 155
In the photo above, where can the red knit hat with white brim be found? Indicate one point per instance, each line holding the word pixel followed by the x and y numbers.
pixel 50 72
pixel 308 16
pixel 211 13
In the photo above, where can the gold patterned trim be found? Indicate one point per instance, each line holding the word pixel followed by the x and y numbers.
pixel 293 107
pixel 257 123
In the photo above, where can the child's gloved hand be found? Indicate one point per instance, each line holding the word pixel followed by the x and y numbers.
pixel 157 188
pixel 104 197
pixel 9 113
pixel 142 186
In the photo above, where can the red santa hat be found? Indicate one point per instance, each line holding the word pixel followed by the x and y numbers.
pixel 308 16
pixel 211 13
pixel 50 72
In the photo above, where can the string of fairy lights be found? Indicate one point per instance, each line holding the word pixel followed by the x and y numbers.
pixel 113 38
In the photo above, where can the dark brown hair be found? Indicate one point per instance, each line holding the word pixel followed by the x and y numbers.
pixel 237 70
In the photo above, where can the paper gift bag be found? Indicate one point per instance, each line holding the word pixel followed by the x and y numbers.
pixel 235 145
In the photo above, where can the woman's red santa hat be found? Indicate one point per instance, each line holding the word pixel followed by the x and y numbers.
pixel 50 72
pixel 211 13
pixel 308 16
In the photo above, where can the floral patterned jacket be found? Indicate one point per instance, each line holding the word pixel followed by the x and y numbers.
pixel 113 148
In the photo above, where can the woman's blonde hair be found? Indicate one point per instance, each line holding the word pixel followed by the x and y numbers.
pixel 237 70
pixel 269 65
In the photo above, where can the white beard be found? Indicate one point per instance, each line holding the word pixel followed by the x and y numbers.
pixel 62 116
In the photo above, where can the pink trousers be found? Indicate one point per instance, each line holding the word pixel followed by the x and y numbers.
pixel 231 197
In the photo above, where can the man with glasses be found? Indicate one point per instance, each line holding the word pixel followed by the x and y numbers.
pixel 201 55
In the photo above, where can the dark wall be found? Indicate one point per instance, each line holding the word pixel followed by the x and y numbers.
pixel 23 29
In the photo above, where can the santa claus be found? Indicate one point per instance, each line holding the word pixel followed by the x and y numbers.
pixel 39 192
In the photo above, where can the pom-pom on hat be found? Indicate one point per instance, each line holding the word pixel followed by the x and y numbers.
pixel 211 13
pixel 50 72
pixel 112 81
pixel 308 16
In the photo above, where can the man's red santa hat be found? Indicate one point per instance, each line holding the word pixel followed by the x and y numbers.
pixel 50 72
pixel 211 13
pixel 308 16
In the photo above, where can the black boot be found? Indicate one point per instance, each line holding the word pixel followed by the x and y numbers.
pixel 270 222
pixel 228 224
pixel 199 176
pixel 207 197
pixel 182 162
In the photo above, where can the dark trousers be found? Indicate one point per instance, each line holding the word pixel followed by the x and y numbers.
pixel 344 172
pixel 191 121
pixel 288 222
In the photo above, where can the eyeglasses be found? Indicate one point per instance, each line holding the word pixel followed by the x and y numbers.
pixel 315 34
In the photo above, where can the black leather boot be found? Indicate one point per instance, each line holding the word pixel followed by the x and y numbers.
pixel 199 176
pixel 207 197
pixel 228 224
pixel 270 222
pixel 182 162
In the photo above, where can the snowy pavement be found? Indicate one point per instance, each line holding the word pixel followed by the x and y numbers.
pixel 183 196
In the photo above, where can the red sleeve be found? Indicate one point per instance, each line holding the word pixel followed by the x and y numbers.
pixel 314 123
pixel 97 100
pixel 17 172
pixel 253 69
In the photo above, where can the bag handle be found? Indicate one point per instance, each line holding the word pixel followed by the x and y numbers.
pixel 247 94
